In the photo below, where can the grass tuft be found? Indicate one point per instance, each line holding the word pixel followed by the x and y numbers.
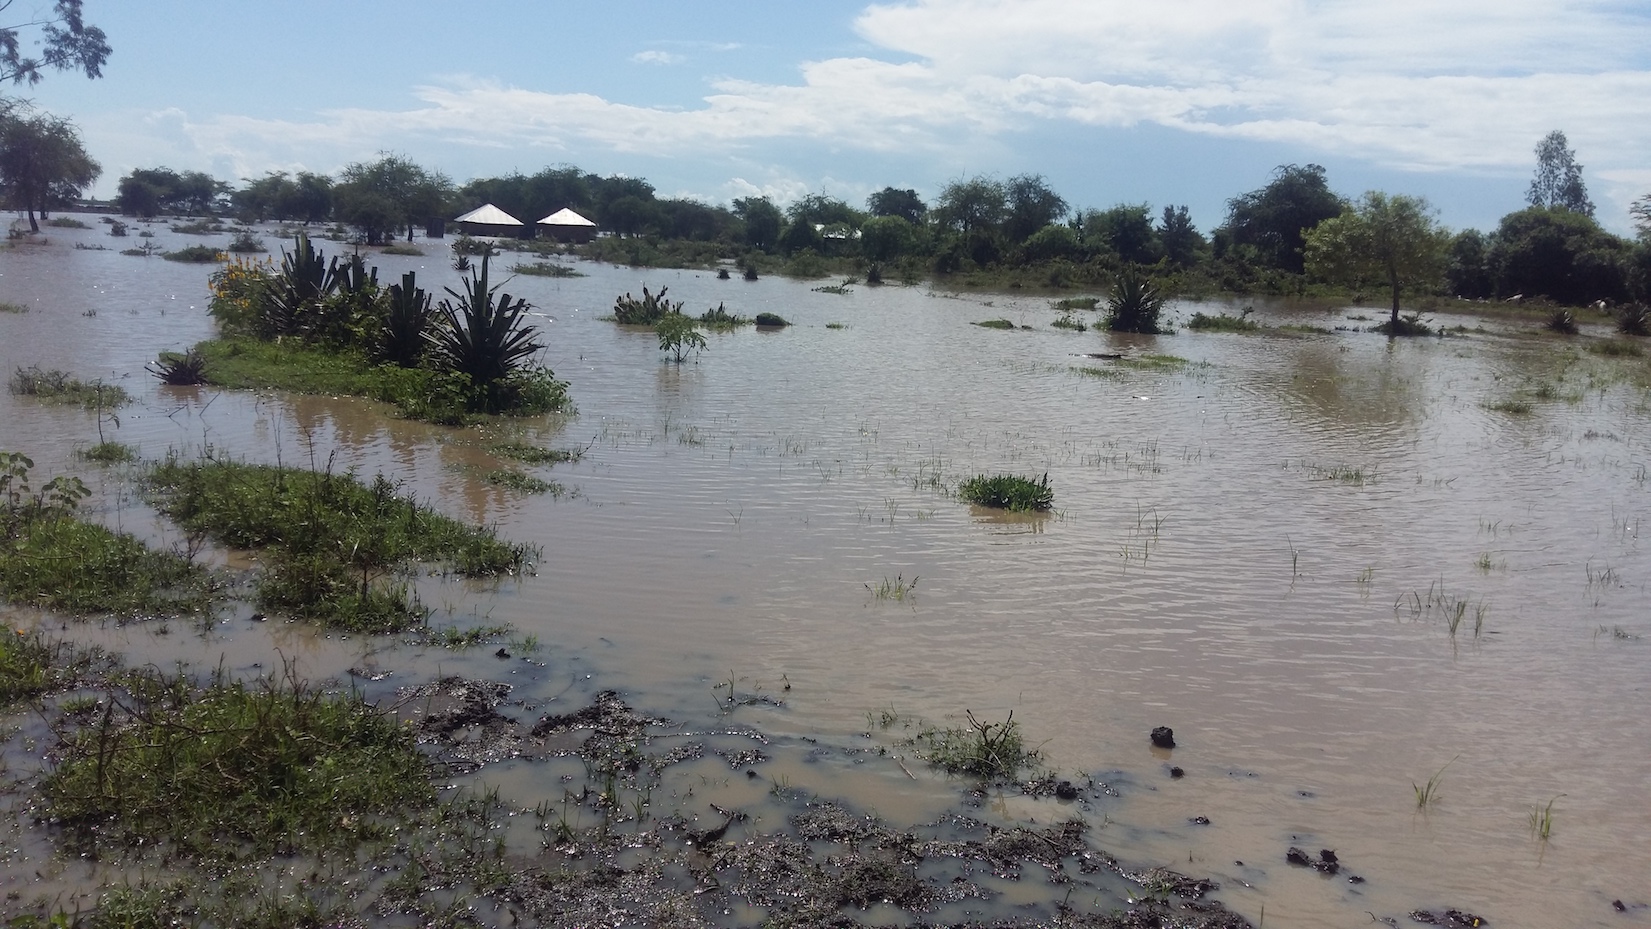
pixel 1221 322
pixel 995 324
pixel 533 454
pixel 1008 492
pixel 1427 793
pixel 990 751
pixel 58 387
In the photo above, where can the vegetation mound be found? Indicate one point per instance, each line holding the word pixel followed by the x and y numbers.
pixel 1008 492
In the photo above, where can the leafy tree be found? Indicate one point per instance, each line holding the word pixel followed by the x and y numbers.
pixel 905 204
pixel 1641 211
pixel 1391 239
pixel 630 215
pixel 1179 238
pixel 1468 269
pixel 1558 181
pixel 885 238
pixel 681 218
pixel 1031 207
pixel 976 204
pixel 1124 230
pixel 678 336
pixel 151 191
pixel 1560 254
pixel 605 192
pixel 382 197
pixel 1052 242
pixel 68 45
pixel 1274 219
pixel 762 221
pixel 42 163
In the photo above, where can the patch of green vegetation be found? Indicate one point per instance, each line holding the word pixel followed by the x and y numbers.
pixel 411 250
pixel 842 290
pixel 108 453
pixel 66 222
pixel 629 311
pixel 58 387
pixel 1008 492
pixel 995 324
pixel 1306 327
pixel 196 254
pixel 898 589
pixel 836 325
pixel 1221 322
pixel 1068 321
pixel 51 559
pixel 511 479
pixel 201 227
pixel 30 665
pixel 771 321
pixel 333 543
pixel 720 319
pixel 1562 320
pixel 1136 303
pixel 1110 374
pixel 6 307
pixel 1153 362
pixel 1077 303
pixel 272 767
pixel 533 454
pixel 1616 348
pixel 546 269
pixel 1410 324
pixel 677 335
pixel 1511 406
pixel 993 752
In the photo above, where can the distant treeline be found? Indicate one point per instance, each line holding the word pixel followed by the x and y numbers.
pixel 1551 249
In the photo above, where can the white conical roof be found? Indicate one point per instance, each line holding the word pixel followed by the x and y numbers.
pixel 565 217
pixel 490 215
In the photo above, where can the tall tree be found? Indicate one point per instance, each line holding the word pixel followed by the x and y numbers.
pixel 1558 181
pixel 762 221
pixel 1124 230
pixel 382 197
pixel 1560 254
pixel 974 205
pixel 1390 239
pixel 905 204
pixel 67 44
pixel 1275 218
pixel 1641 211
pixel 42 163
pixel 1032 206
pixel 1180 239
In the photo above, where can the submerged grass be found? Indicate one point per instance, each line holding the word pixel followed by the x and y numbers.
pixel 334 541
pixel 511 479
pixel 1221 322
pixel 58 387
pixel 546 269
pixel 1008 492
pixel 897 589
pixel 533 454
pixel 1427 793
pixel 271 767
pixel 31 665
pixel 995 324
pixel 990 751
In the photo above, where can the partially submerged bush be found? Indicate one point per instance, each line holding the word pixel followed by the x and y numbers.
pixel 678 336
pixel 1135 304
pixel 720 318
pixel 1008 492
pixel 1410 324
pixel 246 243
pixel 629 311
pixel 1068 321
pixel 1221 322
pixel 180 369
pixel 58 387
pixel 990 751
pixel 480 334
pixel 770 321
pixel 197 254
pixel 546 269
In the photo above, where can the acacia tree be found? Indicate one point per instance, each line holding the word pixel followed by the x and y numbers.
pixel 68 44
pixel 1392 239
pixel 1558 181
pixel 42 163
pixel 382 197
pixel 1275 218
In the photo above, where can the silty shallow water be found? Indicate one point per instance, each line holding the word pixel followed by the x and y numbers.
pixel 1259 548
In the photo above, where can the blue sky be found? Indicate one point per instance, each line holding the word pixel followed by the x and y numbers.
pixel 1113 101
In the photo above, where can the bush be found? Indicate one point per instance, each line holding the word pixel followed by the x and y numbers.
pixel 198 254
pixel 678 336
pixel 1562 321
pixel 481 336
pixel 629 311
pixel 995 324
pixel 1221 322
pixel 246 243
pixel 1634 319
pixel 180 370
pixel 1135 304
pixel 1008 492
pixel 770 321
pixel 720 318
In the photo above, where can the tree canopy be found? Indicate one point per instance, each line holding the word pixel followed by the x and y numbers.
pixel 67 44
pixel 1558 181
pixel 384 196
pixel 1274 220
pixel 42 162
pixel 1391 239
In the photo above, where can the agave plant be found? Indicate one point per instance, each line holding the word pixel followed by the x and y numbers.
pixel 1634 319
pixel 481 336
pixel 402 339
pixel 1135 303
pixel 179 369
pixel 305 280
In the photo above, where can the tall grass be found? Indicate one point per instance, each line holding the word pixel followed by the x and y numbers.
pixel 1008 492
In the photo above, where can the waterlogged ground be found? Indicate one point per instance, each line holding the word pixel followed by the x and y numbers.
pixel 1266 547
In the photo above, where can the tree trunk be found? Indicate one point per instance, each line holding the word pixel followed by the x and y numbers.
pixel 34 225
pixel 1393 278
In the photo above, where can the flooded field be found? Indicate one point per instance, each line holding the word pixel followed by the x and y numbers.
pixel 1333 563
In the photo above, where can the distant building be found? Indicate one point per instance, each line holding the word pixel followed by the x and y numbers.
pixel 567 226
pixel 490 220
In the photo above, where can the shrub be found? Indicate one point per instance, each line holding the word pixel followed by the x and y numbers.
pixel 1135 303
pixel 995 324
pixel 1634 319
pixel 239 289
pixel 198 254
pixel 546 269
pixel 678 336
pixel 720 318
pixel 991 751
pixel 66 222
pixel 1068 321
pixel 1221 322
pixel 58 387
pixel 1008 492
pixel 1408 325
pixel 180 370
pixel 770 321
pixel 480 335
pixel 629 311
pixel 402 340
pixel 246 243
pixel 1562 321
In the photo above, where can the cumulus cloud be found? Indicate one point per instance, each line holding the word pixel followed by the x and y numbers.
pixel 656 57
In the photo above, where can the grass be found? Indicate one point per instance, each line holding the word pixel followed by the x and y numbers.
pixel 995 324
pixel 1542 820
pixel 1155 362
pixel 1221 322
pixel 523 483
pixel 842 290
pixel 533 454
pixel 6 307
pixel 66 222
pixel 195 254
pixel 58 387
pixel 334 543
pixel 897 589
pixel 1616 348
pixel 108 453
pixel 412 250
pixel 546 269
pixel 1511 406
pixel 1068 321
pixel 1427 793
pixel 31 665
pixel 719 319
pixel 271 767
pixel 836 325
pixel 1008 492
pixel 1077 303
pixel 989 751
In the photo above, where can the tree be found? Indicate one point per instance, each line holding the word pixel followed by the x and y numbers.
pixel 1468 271
pixel 1558 181
pixel 1124 230
pixel 1031 206
pixel 905 204
pixel 150 191
pixel 1179 238
pixel 762 221
pixel 885 238
pixel 383 196
pixel 68 45
pixel 1560 254
pixel 1392 239
pixel 42 163
pixel 1275 218
pixel 977 204
pixel 1641 211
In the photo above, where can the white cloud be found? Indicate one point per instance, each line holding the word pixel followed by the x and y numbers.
pixel 656 57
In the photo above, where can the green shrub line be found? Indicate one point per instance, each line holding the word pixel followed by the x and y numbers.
pixel 546 269
pixel 1008 492
pixel 995 324
pixel 334 545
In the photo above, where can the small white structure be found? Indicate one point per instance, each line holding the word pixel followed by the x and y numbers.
pixel 489 220
pixel 567 226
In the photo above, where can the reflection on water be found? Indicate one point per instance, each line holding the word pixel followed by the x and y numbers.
pixel 1233 547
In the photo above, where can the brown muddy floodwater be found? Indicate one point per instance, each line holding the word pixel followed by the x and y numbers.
pixel 1259 548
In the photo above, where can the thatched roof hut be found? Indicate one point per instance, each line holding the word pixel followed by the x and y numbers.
pixel 567 226
pixel 489 220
